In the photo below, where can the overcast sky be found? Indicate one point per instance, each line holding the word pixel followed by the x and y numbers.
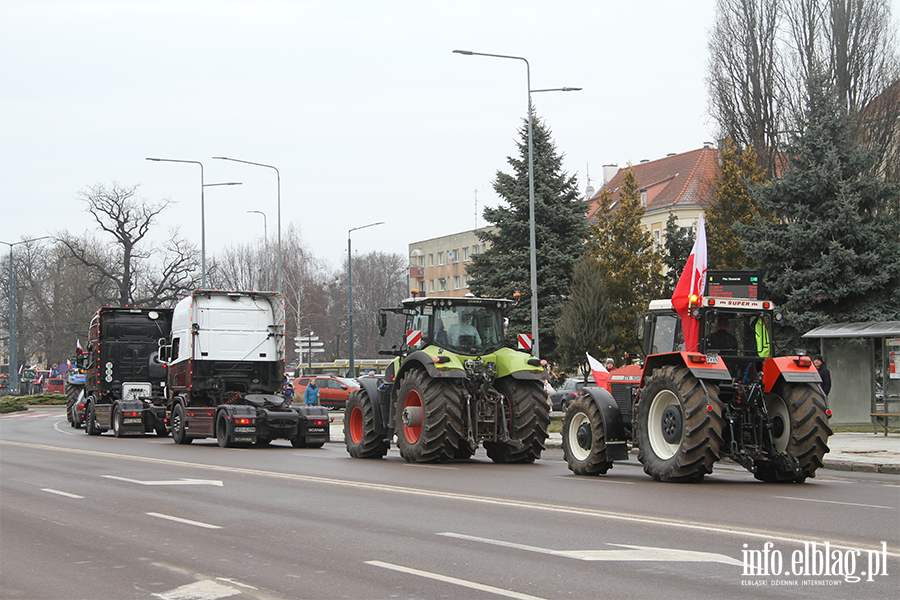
pixel 361 105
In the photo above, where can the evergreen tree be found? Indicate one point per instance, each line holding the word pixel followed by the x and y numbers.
pixel 677 244
pixel 584 324
pixel 560 229
pixel 831 254
pixel 732 204
pixel 630 264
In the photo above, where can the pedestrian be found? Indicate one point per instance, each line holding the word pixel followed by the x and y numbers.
pixel 824 373
pixel 288 392
pixel 311 396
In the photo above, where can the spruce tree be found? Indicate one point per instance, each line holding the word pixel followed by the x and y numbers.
pixel 632 268
pixel 584 324
pixel 677 245
pixel 560 229
pixel 732 204
pixel 831 254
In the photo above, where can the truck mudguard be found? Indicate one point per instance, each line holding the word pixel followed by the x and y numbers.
pixel 613 428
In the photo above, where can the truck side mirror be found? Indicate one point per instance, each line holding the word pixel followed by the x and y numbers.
pixel 381 322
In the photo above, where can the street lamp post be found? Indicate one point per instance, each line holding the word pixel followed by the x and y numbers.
pixel 531 237
pixel 203 186
pixel 278 176
pixel 350 290
pixel 266 244
pixel 13 319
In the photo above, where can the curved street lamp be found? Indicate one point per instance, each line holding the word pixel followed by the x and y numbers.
pixel 13 320
pixel 532 254
pixel 350 290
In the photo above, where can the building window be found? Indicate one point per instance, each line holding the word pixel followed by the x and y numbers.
pixel 421 261
pixel 440 258
pixel 443 284
pixel 656 240
pixel 431 260
pixel 456 255
pixel 467 280
pixel 456 282
pixel 466 253
pixel 431 285
pixel 643 198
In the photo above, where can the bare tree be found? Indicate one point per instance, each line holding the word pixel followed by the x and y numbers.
pixel 127 266
pixel 743 74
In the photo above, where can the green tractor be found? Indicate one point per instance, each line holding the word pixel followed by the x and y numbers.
pixel 452 386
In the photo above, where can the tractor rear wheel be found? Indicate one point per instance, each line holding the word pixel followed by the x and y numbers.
pixel 799 428
pixel 679 425
pixel 429 424
pixel 584 438
pixel 529 421
pixel 72 393
pixel 360 437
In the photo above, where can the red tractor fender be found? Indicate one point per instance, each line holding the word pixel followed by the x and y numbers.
pixel 793 369
pixel 698 363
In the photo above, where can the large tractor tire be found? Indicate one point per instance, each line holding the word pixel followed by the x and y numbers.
pixel 529 421
pixel 72 393
pixel 679 425
pixel 429 424
pixel 799 428
pixel 179 435
pixel 584 438
pixel 360 437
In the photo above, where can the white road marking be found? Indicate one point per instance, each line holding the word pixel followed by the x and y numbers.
pixel 199 590
pixel 504 503
pixel 56 427
pixel 834 502
pixel 633 553
pixel 182 481
pixel 421 466
pixel 185 521
pixel 66 494
pixel 461 582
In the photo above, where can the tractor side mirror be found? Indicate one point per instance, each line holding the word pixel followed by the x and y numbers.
pixel 381 322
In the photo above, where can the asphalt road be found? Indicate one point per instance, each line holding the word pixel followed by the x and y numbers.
pixel 99 517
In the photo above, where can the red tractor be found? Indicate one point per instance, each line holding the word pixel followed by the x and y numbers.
pixel 686 409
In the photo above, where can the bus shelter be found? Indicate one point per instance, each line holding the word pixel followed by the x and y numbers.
pixel 864 361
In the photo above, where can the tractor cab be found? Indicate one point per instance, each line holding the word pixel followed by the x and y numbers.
pixel 467 326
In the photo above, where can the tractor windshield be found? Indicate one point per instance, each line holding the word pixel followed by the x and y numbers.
pixel 470 330
pixel 733 333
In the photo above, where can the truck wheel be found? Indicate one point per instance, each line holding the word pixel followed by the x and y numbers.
pixel 679 425
pixel 222 432
pixel 360 437
pixel 429 418
pixel 116 421
pixel 584 438
pixel 529 421
pixel 90 420
pixel 799 428
pixel 178 434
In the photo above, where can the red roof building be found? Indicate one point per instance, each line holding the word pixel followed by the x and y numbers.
pixel 679 183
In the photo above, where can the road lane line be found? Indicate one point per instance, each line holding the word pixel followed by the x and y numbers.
pixel 461 582
pixel 835 502
pixel 505 503
pixel 66 494
pixel 594 480
pixel 200 590
pixel 185 521
pixel 56 427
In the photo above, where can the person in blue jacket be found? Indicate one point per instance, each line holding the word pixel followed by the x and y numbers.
pixel 311 397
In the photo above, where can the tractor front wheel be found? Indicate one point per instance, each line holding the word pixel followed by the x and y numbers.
pixel 679 425
pixel 528 421
pixel 584 438
pixel 799 429
pixel 360 437
pixel 429 423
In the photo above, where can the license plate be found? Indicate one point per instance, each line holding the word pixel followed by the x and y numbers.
pixel 131 421
pixel 245 429
pixel 712 359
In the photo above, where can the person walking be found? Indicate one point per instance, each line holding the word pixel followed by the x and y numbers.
pixel 311 396
pixel 288 392
pixel 824 373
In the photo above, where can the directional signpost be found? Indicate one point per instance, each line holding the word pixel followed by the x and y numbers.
pixel 309 345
